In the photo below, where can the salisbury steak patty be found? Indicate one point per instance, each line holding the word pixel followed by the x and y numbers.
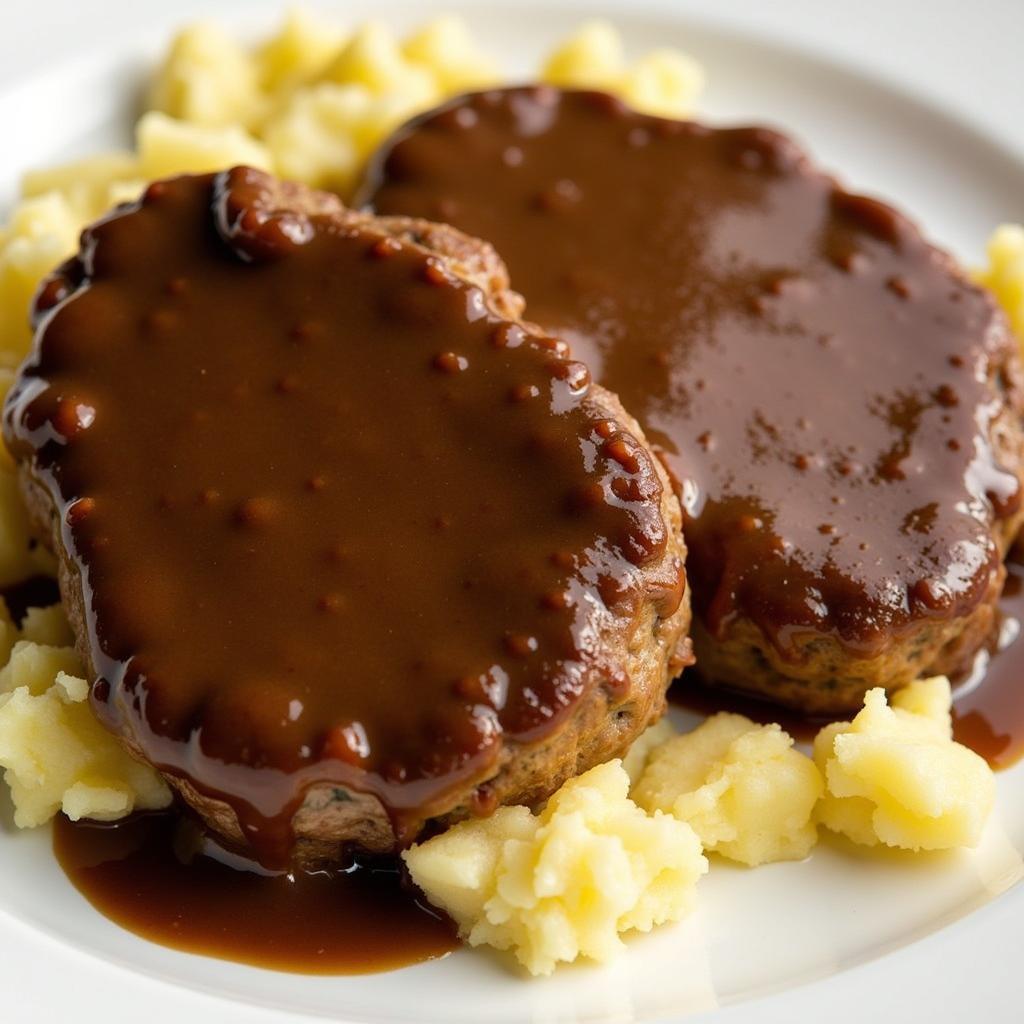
pixel 348 548
pixel 838 405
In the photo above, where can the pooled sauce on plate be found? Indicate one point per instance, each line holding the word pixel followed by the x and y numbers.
pixel 819 380
pixel 351 921
pixel 337 522
pixel 988 708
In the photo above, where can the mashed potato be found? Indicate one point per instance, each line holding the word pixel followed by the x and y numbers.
pixel 42 232
pixel 55 754
pixel 635 760
pixel 1005 273
pixel 208 79
pixel 446 46
pixel 747 793
pixel 298 53
pixel 562 884
pixel 663 82
pixel 323 134
pixel 895 776
pixel 167 147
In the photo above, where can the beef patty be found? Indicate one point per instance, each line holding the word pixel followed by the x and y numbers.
pixel 837 404
pixel 348 548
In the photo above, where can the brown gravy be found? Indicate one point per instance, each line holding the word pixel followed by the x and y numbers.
pixel 35 592
pixel 988 706
pixel 354 922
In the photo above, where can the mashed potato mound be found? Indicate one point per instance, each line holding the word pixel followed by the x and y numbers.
pixel 55 754
pixel 323 134
pixel 446 46
pixel 663 82
pixel 167 146
pixel 1004 274
pixel 741 786
pixel 299 53
pixel 894 775
pixel 43 231
pixel 562 884
pixel 208 79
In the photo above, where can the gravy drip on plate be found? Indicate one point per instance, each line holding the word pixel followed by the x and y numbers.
pixel 988 706
pixel 335 520
pixel 819 381
pixel 144 874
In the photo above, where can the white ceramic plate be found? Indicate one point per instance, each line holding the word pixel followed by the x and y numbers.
pixel 941 930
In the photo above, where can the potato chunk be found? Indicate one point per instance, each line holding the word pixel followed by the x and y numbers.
pixel 894 775
pixel 54 752
pixel 747 793
pixel 562 884
pixel 168 146
pixel 663 82
pixel 1004 274
pixel 207 78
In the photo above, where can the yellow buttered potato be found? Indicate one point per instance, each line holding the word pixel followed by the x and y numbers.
pixel 894 775
pixel 168 146
pixel 372 58
pixel 742 787
pixel 84 184
pixel 562 884
pixel 54 753
pixel 593 57
pixel 43 232
pixel 1004 274
pixel 298 53
pixel 207 78
pixel 663 82
pixel 322 135
pixel 446 47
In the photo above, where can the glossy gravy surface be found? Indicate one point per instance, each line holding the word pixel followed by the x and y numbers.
pixel 819 381
pixel 353 921
pixel 335 520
